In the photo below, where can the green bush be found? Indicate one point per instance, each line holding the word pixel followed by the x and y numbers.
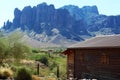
pixel 35 51
pixel 52 66
pixel 44 60
pixel 23 74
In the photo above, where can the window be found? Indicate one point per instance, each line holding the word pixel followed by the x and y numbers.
pixel 104 59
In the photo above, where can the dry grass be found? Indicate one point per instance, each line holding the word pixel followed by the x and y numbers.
pixel 36 77
pixel 51 79
pixel 42 78
pixel 7 72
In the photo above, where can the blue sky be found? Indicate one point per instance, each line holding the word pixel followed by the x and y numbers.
pixel 107 7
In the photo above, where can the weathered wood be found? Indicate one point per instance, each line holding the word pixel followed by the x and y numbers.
pixel 102 62
pixel 70 64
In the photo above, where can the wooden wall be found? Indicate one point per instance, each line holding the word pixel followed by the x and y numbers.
pixel 103 62
pixel 70 63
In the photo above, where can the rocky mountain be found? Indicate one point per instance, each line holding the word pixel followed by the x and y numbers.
pixel 69 23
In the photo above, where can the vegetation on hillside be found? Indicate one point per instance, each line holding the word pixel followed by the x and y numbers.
pixel 16 57
pixel 11 48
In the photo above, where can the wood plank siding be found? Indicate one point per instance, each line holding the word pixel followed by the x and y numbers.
pixel 70 63
pixel 99 59
pixel 96 63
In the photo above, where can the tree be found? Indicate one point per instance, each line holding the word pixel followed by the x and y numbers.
pixel 14 37
pixel 10 47
pixel 19 50
pixel 2 51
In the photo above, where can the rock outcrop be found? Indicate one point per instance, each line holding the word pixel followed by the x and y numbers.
pixel 69 21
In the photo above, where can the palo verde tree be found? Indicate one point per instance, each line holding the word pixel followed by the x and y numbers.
pixel 19 50
pixel 10 47
pixel 4 51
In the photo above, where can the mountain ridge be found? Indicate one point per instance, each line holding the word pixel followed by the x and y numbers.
pixel 44 23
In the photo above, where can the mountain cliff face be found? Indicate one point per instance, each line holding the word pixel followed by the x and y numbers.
pixel 43 21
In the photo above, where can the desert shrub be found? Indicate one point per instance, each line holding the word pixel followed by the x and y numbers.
pixel 23 74
pixel 5 73
pixel 14 68
pixel 52 65
pixel 44 71
pixel 35 51
pixel 44 60
pixel 51 76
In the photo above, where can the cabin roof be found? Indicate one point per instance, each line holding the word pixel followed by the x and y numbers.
pixel 99 42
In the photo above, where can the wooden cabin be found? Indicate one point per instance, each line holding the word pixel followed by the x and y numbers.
pixel 97 58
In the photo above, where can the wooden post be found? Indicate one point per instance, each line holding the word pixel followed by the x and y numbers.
pixel 58 75
pixel 38 68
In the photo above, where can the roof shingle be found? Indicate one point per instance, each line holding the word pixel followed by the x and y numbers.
pixel 98 42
